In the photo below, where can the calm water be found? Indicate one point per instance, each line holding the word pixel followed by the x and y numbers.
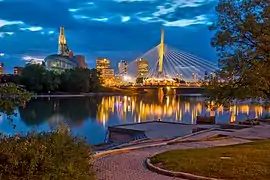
pixel 90 116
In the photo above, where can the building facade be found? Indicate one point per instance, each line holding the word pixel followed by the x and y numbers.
pixel 122 67
pixel 65 58
pixel 2 68
pixel 17 70
pixel 142 67
pixel 107 73
pixel 81 61
pixel 59 62
pixel 102 63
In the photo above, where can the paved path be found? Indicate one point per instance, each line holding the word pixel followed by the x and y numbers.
pixel 130 165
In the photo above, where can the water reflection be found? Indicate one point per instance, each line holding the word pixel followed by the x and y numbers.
pixel 171 108
pixel 90 116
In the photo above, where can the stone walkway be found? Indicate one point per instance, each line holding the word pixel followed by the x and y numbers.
pixel 130 165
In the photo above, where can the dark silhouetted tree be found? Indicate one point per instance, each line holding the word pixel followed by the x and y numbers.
pixel 242 40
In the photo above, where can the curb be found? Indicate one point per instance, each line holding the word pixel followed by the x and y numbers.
pixel 184 175
pixel 179 139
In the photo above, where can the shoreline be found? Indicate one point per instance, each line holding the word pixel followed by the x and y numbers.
pixel 103 94
pixel 83 94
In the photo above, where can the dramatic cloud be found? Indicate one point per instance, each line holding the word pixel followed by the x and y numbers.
pixel 117 29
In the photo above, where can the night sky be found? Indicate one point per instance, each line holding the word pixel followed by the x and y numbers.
pixel 116 29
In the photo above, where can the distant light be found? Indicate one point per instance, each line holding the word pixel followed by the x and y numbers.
pixel 2 54
pixel 126 78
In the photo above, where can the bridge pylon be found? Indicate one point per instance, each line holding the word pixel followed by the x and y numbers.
pixel 161 53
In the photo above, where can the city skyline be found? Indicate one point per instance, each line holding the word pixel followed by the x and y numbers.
pixel 115 29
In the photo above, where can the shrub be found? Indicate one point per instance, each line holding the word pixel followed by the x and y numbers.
pixel 54 155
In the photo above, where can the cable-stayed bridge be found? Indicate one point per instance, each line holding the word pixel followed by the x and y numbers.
pixel 167 66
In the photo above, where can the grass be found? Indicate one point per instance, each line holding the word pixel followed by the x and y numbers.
pixel 246 161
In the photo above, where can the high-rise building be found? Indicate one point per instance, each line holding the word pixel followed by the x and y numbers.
pixel 142 67
pixel 81 61
pixel 17 70
pixel 107 73
pixel 122 67
pixel 2 68
pixel 102 63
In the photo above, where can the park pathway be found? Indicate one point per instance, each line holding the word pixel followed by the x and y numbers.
pixel 130 165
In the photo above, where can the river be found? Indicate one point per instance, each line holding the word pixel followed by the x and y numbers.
pixel 90 116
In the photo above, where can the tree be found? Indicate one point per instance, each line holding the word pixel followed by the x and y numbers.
pixel 12 96
pixel 33 77
pixel 242 40
pixel 51 81
pixel 79 80
pixel 95 80
pixel 139 80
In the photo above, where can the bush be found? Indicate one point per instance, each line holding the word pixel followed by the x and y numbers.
pixel 55 155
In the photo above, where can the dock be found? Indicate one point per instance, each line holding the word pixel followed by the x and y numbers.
pixel 152 130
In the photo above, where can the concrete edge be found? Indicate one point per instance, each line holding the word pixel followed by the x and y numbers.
pixel 123 150
pixel 184 175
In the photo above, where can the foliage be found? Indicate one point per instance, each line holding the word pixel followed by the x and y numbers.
pixel 80 80
pixel 12 96
pixel 33 77
pixel 242 40
pixel 37 79
pixel 51 155
pixel 9 78
pixel 54 155
pixel 139 80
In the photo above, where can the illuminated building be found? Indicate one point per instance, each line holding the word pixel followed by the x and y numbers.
pixel 142 67
pixel 102 63
pixel 59 62
pixel 2 68
pixel 122 67
pixel 65 58
pixel 108 76
pixel 107 73
pixel 17 70
pixel 62 43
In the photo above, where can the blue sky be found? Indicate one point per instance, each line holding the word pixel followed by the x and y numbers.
pixel 116 29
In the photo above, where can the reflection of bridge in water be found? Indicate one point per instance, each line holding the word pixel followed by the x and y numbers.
pixel 170 108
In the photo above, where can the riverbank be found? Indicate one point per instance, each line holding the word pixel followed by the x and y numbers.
pixel 128 162
pixel 103 92
pixel 80 95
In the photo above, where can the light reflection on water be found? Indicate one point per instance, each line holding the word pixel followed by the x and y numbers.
pixel 90 116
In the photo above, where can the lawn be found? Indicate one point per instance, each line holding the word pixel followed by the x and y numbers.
pixel 246 161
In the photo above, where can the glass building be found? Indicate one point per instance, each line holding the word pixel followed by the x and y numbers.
pixel 59 62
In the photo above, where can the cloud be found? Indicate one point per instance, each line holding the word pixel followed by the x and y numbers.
pixel 187 22
pixel 118 29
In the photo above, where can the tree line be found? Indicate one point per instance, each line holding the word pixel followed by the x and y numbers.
pixel 35 78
